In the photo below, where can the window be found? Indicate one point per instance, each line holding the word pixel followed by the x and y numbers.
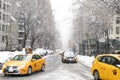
pixel 34 57
pixel 20 41
pixel 0 4
pixel 21 27
pixel 117 20
pixel 117 38
pixel 3 27
pixel 21 35
pixel 4 7
pixel 3 17
pixel 114 61
pixel 100 59
pixel 38 57
pixel 105 59
pixel 117 30
pixel 0 15
pixel 0 27
pixel 111 30
pixel 3 38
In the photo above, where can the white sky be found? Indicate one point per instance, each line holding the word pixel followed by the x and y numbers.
pixel 63 17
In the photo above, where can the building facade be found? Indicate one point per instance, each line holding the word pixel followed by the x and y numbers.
pixel 4 23
pixel 114 32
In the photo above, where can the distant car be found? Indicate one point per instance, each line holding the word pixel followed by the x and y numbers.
pixel 1 65
pixel 41 51
pixel 23 64
pixel 106 67
pixel 69 56
pixel 50 51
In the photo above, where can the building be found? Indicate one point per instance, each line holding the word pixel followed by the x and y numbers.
pixel 22 30
pixel 4 23
pixel 114 32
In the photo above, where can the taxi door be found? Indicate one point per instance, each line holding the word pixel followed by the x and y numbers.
pixel 34 63
pixel 103 67
pixel 39 62
pixel 114 71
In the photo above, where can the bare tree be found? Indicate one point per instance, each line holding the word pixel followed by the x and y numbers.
pixel 37 19
pixel 94 19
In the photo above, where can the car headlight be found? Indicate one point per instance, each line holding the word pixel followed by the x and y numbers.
pixel 4 66
pixel 22 66
pixel 64 57
pixel 75 57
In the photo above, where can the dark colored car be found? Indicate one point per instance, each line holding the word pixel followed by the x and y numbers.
pixel 1 65
pixel 69 56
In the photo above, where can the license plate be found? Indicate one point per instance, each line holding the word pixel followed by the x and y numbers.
pixel 10 69
pixel 70 59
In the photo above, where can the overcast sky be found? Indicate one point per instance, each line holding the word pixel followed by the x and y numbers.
pixel 63 17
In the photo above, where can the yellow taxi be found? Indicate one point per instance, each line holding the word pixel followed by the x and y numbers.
pixel 106 67
pixel 23 64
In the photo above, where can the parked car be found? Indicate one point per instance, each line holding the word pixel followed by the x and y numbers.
pixel 106 67
pixel 50 51
pixel 41 51
pixel 23 64
pixel 1 65
pixel 69 56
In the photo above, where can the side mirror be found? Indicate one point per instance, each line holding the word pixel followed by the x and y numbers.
pixel 33 60
pixel 61 54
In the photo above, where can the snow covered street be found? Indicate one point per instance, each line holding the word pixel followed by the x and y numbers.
pixel 56 70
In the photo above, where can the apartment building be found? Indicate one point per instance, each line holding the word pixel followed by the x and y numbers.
pixel 114 32
pixel 22 31
pixel 4 23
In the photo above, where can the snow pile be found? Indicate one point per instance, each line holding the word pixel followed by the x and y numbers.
pixel 4 55
pixel 86 60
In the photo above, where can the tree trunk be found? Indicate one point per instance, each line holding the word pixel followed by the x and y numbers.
pixel 97 46
pixel 108 43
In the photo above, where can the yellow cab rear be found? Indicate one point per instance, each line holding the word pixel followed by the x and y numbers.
pixel 106 67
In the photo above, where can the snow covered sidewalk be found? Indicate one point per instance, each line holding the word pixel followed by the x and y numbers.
pixel 86 60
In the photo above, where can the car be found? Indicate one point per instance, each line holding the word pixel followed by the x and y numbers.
pixel 106 67
pixel 50 51
pixel 69 56
pixel 24 64
pixel 1 65
pixel 41 51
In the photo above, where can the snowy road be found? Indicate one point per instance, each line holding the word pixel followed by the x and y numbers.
pixel 56 70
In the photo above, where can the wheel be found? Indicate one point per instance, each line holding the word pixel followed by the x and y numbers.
pixel 43 67
pixel 62 61
pixel 29 70
pixel 5 74
pixel 96 75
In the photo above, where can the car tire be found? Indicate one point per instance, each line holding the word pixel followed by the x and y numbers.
pixel 5 74
pixel 63 61
pixel 43 67
pixel 29 70
pixel 96 75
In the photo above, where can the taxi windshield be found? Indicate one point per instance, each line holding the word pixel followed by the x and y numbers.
pixel 69 54
pixel 21 58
